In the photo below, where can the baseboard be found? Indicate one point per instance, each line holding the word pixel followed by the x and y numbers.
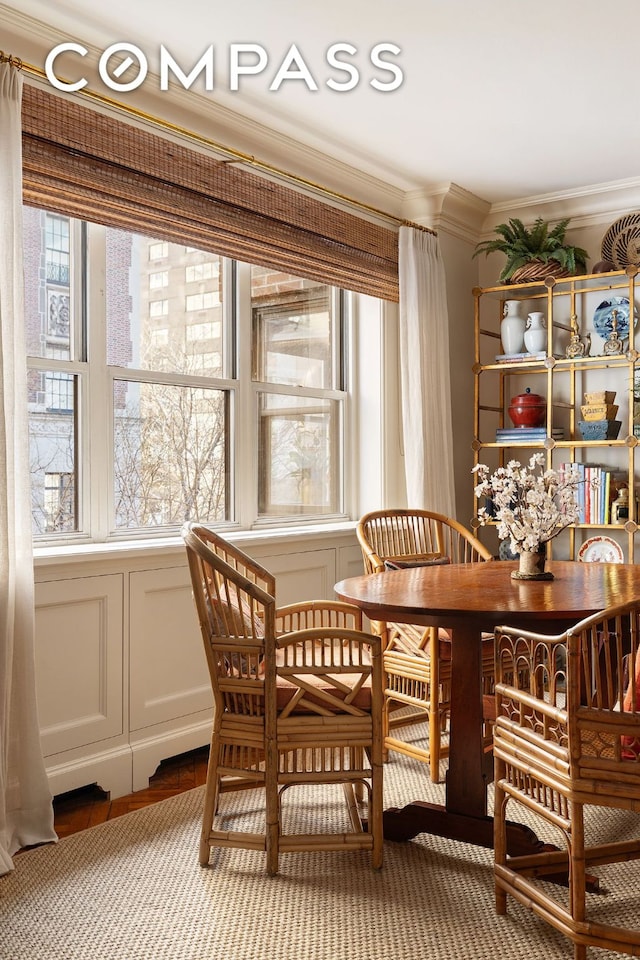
pixel 109 769
pixel 147 754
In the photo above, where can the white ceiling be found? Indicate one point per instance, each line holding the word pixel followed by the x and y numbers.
pixel 506 98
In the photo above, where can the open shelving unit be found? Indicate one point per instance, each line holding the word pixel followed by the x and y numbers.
pixel 569 305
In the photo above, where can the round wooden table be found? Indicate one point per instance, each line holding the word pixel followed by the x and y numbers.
pixel 469 599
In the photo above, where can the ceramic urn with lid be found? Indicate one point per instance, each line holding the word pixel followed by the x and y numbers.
pixel 528 409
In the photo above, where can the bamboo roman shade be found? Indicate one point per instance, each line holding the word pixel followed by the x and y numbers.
pixel 95 167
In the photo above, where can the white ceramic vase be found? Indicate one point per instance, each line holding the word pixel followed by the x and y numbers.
pixel 512 328
pixel 535 334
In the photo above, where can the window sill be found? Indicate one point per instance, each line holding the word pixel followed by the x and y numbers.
pixel 246 539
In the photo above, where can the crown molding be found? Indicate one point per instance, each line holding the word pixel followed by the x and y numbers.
pixel 31 40
pixel 449 208
pixel 594 204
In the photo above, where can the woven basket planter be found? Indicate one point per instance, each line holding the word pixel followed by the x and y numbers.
pixel 538 270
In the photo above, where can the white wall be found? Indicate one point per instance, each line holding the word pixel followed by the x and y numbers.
pixel 379 474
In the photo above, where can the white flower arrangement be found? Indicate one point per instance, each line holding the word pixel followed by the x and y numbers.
pixel 531 504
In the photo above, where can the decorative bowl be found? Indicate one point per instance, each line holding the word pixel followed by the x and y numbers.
pixel 599 429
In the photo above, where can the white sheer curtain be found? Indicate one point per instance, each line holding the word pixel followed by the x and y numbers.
pixel 26 814
pixel 424 371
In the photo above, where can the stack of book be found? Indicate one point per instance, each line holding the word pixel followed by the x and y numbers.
pixel 522 357
pixel 511 435
pixel 595 491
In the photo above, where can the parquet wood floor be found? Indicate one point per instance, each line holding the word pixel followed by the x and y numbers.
pixel 88 806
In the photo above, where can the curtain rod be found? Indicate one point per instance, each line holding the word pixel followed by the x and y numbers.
pixel 235 155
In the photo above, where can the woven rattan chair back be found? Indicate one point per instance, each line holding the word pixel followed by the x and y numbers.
pixel 406 534
pixel 417 661
pixel 297 701
pixel 567 733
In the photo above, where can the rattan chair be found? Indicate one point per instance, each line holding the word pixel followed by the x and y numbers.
pixel 570 737
pixel 417 661
pixel 297 700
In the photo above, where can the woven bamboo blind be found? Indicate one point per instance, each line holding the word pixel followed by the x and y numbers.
pixel 84 164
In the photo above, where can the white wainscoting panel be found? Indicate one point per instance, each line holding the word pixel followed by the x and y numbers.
pixel 350 563
pixel 79 661
pixel 303 576
pixel 168 670
pixel 122 677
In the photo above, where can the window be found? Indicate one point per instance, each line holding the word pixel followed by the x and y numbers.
pixel 203 331
pixel 158 250
pixel 159 308
pixel 159 279
pixel 59 389
pixel 296 361
pixel 207 361
pixel 58 504
pixel 142 416
pixel 297 455
pixel 170 454
pixel 57 254
pixel 159 337
pixel 52 451
pixel 201 271
pixel 202 301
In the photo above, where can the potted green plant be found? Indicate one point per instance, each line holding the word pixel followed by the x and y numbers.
pixel 534 253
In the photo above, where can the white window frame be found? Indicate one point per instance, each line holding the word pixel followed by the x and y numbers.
pixel 94 428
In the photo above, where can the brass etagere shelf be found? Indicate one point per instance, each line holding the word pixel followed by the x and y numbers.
pixel 571 365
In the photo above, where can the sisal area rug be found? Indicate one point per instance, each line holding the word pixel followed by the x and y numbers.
pixel 132 889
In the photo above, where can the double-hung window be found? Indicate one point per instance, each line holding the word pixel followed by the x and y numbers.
pixel 168 383
pixel 297 363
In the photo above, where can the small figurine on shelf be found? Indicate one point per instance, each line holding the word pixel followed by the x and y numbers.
pixel 613 344
pixel 620 506
pixel 576 346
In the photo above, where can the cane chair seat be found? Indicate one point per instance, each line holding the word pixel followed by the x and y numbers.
pixel 566 736
pixel 318 686
pixel 297 701
pixel 417 660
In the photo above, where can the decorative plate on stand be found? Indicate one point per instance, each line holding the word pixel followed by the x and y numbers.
pixel 601 550
pixel 621 242
pixel 603 317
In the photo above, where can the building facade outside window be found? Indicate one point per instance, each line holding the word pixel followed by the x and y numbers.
pixel 151 364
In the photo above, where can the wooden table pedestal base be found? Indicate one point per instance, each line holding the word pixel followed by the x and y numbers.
pixel 402 824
